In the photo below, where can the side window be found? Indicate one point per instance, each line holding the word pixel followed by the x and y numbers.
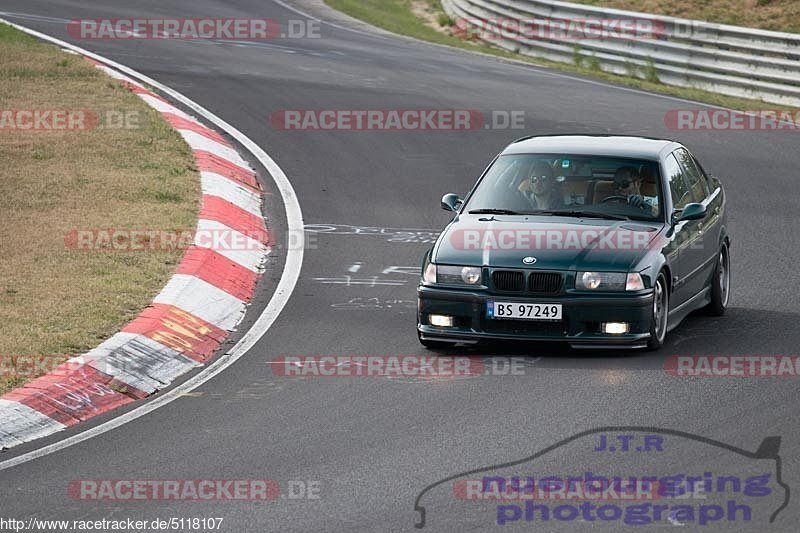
pixel 698 185
pixel 677 184
pixel 709 182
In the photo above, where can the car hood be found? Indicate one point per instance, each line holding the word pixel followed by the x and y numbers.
pixel 556 243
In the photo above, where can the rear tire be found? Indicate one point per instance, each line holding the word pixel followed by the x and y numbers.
pixel 720 284
pixel 660 313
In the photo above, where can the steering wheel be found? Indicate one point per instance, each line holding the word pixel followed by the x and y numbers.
pixel 615 198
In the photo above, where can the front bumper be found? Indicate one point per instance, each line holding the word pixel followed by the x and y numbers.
pixel 580 326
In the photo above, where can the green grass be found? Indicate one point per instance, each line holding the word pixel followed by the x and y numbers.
pixel 392 15
pixel 12 35
pixel 56 301
pixel 397 16
pixel 776 15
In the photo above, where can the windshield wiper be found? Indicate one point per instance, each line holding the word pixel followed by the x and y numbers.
pixel 494 212
pixel 587 214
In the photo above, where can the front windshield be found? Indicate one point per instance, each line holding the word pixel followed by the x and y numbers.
pixel 608 187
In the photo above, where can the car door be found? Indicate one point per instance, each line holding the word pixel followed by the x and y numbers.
pixel 716 207
pixel 704 233
pixel 681 234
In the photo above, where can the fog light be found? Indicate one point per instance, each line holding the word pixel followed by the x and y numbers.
pixel 615 328
pixel 442 321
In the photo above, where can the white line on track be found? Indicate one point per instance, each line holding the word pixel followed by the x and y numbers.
pixel 38 18
pixel 288 280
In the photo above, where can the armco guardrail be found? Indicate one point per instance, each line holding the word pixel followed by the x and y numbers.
pixel 719 58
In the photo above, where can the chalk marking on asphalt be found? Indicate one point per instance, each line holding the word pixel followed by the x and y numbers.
pixel 372 281
pixel 283 291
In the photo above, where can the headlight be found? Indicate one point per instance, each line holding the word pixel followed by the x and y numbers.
pixel 471 275
pixel 429 276
pixel 604 281
pixel 609 281
pixel 453 275
pixel 634 282
pixel 458 275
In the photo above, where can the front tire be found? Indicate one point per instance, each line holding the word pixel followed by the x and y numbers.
pixel 660 313
pixel 720 284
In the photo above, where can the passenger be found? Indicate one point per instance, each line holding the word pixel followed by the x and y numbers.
pixel 541 188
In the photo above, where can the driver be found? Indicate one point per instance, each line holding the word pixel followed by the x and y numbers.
pixel 627 183
pixel 542 188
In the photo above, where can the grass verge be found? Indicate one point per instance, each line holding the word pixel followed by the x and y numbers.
pixel 426 20
pixel 135 172
pixel 776 15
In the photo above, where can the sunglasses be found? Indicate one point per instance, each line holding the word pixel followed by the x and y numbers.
pixel 536 179
pixel 622 184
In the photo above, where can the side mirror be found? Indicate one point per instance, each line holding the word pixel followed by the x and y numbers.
pixel 694 211
pixel 451 202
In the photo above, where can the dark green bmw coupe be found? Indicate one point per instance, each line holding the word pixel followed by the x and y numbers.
pixel 599 241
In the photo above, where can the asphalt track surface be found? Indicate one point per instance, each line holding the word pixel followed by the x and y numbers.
pixel 373 444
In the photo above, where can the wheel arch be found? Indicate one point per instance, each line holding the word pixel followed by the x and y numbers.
pixel 668 275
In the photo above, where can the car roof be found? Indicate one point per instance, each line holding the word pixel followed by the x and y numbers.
pixel 599 145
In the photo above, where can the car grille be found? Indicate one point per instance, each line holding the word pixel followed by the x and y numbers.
pixel 508 280
pixel 544 282
pixel 538 282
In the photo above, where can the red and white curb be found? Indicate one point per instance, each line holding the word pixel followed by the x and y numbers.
pixel 186 323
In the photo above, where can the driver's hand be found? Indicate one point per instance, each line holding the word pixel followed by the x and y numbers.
pixel 637 200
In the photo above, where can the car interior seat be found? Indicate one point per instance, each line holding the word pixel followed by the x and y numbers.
pixel 649 187
pixel 600 190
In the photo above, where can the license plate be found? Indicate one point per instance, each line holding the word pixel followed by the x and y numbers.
pixel 523 310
